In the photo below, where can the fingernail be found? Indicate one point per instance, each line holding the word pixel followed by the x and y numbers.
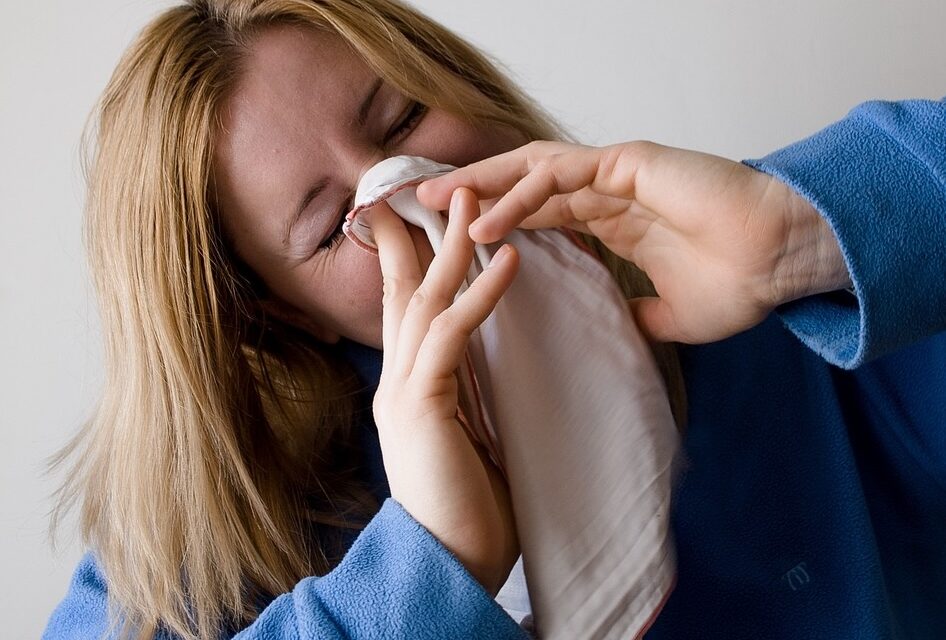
pixel 474 226
pixel 499 256
pixel 454 200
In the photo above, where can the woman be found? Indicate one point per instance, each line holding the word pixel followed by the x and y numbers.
pixel 228 141
pixel 231 450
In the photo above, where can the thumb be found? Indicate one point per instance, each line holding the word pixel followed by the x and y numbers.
pixel 654 318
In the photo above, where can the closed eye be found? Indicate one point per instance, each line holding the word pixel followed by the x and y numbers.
pixel 415 112
pixel 412 117
pixel 335 238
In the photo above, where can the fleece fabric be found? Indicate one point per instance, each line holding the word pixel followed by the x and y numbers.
pixel 813 495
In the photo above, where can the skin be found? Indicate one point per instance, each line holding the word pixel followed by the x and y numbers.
pixel 290 123
pixel 723 244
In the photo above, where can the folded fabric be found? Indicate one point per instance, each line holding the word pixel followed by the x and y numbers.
pixel 563 391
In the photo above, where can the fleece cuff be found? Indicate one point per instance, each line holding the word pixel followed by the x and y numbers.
pixel 878 178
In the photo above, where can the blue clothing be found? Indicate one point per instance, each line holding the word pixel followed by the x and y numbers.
pixel 813 493
pixel 397 581
pixel 813 503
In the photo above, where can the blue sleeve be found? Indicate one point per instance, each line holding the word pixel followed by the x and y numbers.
pixel 397 581
pixel 84 611
pixel 879 179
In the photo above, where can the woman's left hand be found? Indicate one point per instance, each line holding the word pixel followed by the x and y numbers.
pixel 723 244
pixel 437 474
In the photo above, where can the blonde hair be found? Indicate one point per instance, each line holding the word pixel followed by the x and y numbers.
pixel 191 494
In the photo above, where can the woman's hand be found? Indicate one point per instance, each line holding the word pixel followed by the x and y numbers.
pixel 723 244
pixel 437 474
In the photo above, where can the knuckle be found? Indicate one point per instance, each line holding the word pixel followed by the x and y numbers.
pixel 643 147
pixel 443 325
pixel 536 151
pixel 393 288
pixel 546 173
pixel 543 165
pixel 420 298
pixel 424 297
pixel 549 167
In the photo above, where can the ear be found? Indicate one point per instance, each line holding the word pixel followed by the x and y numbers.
pixel 289 314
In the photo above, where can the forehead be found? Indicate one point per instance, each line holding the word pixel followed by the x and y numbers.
pixel 293 79
pixel 287 120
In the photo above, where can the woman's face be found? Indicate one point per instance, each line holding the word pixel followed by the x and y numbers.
pixel 307 118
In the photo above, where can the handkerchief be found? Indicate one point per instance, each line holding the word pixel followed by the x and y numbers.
pixel 563 391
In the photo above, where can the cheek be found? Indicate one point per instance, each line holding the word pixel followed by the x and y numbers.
pixel 339 292
pixel 346 289
pixel 445 138
pixel 363 273
pixel 345 294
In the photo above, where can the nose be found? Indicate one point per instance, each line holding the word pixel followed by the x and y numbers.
pixel 423 250
pixel 368 161
pixel 422 246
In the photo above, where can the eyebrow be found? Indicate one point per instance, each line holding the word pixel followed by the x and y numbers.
pixel 361 119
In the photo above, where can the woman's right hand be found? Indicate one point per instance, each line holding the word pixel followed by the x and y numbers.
pixel 722 243
pixel 434 471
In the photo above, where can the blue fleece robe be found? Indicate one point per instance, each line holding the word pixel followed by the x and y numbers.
pixel 813 498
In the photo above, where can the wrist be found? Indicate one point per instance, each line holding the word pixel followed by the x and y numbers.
pixel 811 261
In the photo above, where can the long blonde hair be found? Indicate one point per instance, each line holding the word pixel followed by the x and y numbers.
pixel 192 491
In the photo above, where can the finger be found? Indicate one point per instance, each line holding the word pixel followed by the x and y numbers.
pixel 400 270
pixel 488 178
pixel 422 246
pixel 443 279
pixel 655 319
pixel 557 174
pixel 444 346
pixel 574 210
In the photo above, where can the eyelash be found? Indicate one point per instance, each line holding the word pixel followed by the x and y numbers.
pixel 416 112
pixel 336 236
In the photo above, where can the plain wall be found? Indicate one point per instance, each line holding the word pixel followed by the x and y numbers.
pixel 738 78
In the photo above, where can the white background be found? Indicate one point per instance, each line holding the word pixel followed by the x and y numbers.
pixel 734 77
